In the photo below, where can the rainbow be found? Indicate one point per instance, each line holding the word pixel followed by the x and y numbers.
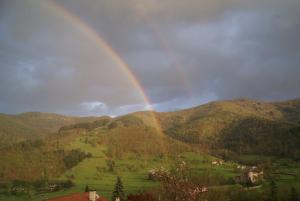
pixel 169 53
pixel 99 41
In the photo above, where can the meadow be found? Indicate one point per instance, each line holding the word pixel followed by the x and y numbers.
pixel 129 146
pixel 133 170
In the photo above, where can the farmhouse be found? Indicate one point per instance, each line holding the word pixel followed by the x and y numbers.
pixel 89 196
pixel 253 175
pixel 217 162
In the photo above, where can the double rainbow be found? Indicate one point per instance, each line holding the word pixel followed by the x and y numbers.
pixel 92 34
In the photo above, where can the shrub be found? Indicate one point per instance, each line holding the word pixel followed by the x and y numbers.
pixel 74 157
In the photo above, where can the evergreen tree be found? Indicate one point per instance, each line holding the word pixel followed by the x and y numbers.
pixel 118 192
pixel 87 188
pixel 273 193
pixel 294 195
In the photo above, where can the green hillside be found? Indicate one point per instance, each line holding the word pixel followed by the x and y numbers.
pixel 238 126
pixel 95 151
pixel 241 122
pixel 14 128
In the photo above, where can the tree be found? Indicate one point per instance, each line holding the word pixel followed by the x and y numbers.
pixel 294 195
pixel 273 193
pixel 118 192
pixel 177 184
pixel 110 164
pixel 87 188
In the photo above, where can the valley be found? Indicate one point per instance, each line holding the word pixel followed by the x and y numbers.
pixel 213 140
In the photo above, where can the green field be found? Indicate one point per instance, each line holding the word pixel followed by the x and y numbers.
pixel 242 132
pixel 133 171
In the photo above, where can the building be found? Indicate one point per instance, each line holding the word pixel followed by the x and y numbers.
pixel 88 196
pixel 253 175
pixel 218 162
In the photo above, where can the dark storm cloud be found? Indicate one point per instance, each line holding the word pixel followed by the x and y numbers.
pixel 183 53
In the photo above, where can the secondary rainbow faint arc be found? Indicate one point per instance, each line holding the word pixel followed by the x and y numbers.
pixel 167 50
pixel 103 44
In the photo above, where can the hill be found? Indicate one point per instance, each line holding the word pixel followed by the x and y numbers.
pixel 247 124
pixel 34 124
pixel 96 150
pixel 236 125
pixel 220 128
pixel 240 126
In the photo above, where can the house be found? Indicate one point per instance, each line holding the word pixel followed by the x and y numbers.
pixel 242 167
pixel 52 187
pixel 218 162
pixel 88 196
pixel 253 175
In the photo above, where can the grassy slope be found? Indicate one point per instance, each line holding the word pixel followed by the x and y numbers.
pixel 206 124
pixel 135 135
pixel 225 112
pixel 132 168
pixel 128 136
pixel 211 118
pixel 34 124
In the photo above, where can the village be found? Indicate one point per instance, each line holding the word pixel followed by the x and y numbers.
pixel 250 177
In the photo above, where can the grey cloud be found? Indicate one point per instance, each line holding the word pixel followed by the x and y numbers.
pixel 183 53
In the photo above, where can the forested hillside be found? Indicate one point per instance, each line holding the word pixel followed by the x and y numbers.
pixel 32 125
pixel 243 126
pixel 238 126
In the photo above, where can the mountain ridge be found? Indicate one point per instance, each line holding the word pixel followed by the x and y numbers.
pixel 208 126
pixel 34 124
pixel 223 129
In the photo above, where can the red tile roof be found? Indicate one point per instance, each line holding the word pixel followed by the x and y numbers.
pixel 76 197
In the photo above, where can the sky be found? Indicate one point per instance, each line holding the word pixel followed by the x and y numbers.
pixel 112 57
